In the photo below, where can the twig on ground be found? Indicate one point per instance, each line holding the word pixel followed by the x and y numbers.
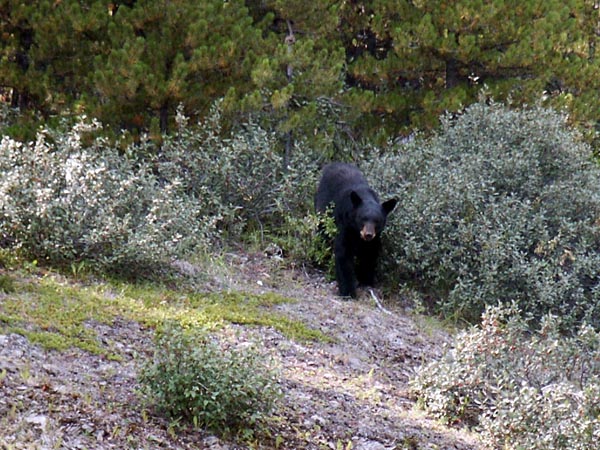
pixel 379 305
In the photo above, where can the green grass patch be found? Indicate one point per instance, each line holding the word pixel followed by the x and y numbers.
pixel 58 314
pixel 54 315
pixel 153 307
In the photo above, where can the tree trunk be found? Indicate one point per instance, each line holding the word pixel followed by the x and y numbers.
pixel 164 118
pixel 452 75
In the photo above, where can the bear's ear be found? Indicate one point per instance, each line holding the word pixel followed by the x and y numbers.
pixel 356 200
pixel 389 205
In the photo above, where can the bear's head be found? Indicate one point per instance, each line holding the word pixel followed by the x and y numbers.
pixel 369 215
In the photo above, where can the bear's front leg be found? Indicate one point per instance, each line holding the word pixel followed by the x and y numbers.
pixel 344 268
pixel 367 262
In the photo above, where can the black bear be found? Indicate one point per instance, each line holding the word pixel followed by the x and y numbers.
pixel 359 218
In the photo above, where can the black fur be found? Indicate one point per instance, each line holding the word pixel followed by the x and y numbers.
pixel 360 218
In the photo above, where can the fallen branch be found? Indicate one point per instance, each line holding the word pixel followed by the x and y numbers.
pixel 379 305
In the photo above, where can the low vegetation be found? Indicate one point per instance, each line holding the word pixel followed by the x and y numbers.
pixel 70 197
pixel 521 389
pixel 56 315
pixel 500 206
pixel 194 379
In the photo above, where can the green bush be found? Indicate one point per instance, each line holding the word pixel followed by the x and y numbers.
pixel 499 205
pixel 522 389
pixel 72 196
pixel 306 239
pixel 321 248
pixel 195 380
pixel 242 179
pixel 7 284
pixel 62 201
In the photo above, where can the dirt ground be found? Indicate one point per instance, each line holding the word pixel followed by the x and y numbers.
pixel 349 394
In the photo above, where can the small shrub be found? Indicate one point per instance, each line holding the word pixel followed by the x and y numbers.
pixel 8 258
pixel 500 205
pixel 523 389
pixel 321 249
pixel 308 238
pixel 7 284
pixel 196 380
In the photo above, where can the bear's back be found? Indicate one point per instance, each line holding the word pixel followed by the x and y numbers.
pixel 336 182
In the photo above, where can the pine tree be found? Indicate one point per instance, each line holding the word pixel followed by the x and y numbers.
pixel 16 33
pixel 164 53
pixel 575 82
pixel 422 58
pixel 328 71
pixel 47 50
pixel 298 76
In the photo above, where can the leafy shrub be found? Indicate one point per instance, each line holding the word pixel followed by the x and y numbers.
pixel 61 201
pixel 243 179
pixel 537 390
pixel 500 205
pixel 306 239
pixel 321 250
pixel 70 196
pixel 194 379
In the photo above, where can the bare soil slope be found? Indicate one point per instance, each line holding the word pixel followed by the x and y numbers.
pixel 351 393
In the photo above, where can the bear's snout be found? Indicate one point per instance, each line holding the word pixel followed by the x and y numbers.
pixel 368 233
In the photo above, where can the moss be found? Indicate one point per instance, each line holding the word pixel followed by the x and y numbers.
pixel 251 309
pixel 56 313
pixel 153 307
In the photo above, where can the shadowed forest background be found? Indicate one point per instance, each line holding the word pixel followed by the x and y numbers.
pixel 336 72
